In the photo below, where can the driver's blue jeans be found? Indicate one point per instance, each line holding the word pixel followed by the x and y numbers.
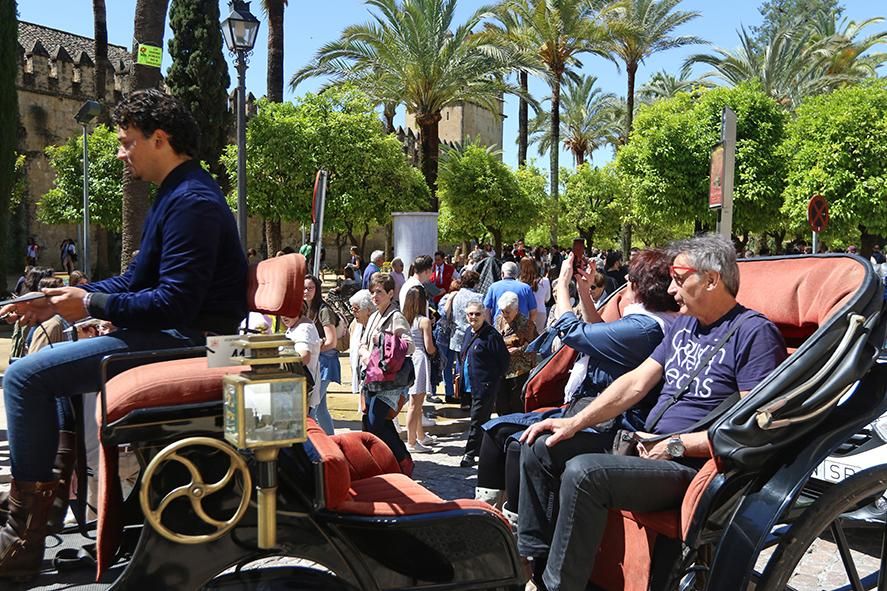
pixel 31 385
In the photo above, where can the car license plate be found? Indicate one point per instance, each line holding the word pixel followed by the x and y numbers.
pixel 832 471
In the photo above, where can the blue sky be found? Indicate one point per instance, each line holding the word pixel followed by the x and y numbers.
pixel 309 24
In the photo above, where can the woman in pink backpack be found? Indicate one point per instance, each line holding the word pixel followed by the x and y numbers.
pixel 385 358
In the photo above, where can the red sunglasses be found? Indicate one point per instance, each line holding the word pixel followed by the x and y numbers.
pixel 679 279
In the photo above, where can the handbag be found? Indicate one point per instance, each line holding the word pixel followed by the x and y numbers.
pixel 626 440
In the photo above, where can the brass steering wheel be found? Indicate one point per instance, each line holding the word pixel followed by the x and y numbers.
pixel 196 490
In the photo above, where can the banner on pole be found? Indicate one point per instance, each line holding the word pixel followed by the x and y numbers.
pixel 716 178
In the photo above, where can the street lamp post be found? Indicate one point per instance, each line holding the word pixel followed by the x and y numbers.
pixel 239 31
pixel 88 111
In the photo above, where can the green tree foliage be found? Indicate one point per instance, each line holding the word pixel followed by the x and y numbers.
pixel 594 201
pixel 667 160
pixel 414 50
pixel 63 204
pixel 198 75
pixel 837 147
pixel 20 188
pixel 780 15
pixel 480 194
pixel 9 63
pixel 339 131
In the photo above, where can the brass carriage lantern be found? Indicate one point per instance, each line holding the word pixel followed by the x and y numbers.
pixel 265 410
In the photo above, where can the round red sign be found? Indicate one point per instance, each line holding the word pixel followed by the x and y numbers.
pixel 817 213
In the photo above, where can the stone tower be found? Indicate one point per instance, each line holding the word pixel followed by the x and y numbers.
pixel 463 121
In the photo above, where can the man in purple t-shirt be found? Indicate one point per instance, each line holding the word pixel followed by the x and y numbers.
pixel 562 546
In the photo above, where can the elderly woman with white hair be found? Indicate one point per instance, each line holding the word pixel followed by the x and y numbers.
pixel 362 307
pixel 517 331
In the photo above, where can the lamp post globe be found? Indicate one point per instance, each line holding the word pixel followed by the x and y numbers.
pixel 239 30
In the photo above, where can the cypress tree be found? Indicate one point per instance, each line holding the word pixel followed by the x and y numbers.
pixel 8 121
pixel 198 75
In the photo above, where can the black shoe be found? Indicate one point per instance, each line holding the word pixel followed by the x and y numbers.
pixel 434 399
pixel 451 400
pixel 467 461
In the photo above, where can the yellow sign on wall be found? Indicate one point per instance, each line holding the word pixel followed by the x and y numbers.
pixel 149 55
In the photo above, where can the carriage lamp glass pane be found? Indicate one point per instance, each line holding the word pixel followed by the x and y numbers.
pixel 232 430
pixel 273 411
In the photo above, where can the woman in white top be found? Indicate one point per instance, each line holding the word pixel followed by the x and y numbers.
pixel 361 306
pixel 415 311
pixel 541 287
pixel 302 332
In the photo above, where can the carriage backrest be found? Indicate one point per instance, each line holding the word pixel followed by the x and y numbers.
pixel 276 286
pixel 797 294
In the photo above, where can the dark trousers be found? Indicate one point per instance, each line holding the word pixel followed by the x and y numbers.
pixel 566 493
pixel 508 399
pixel 32 383
pixel 376 421
pixel 481 409
pixel 499 463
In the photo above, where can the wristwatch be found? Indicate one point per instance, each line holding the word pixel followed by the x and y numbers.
pixel 675 447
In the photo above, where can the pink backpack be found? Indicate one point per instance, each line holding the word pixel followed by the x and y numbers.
pixel 386 358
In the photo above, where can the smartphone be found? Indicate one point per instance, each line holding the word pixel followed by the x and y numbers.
pixel 578 253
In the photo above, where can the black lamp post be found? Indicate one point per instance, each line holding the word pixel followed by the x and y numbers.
pixel 240 30
pixel 88 111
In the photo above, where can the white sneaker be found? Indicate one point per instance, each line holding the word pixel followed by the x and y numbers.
pixel 428 440
pixel 428 422
pixel 419 447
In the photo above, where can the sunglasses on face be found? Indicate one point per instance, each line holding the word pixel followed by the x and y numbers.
pixel 680 274
pixel 473 314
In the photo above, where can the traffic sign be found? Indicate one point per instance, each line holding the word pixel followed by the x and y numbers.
pixel 817 213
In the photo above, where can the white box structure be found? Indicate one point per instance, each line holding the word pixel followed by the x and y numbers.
pixel 415 234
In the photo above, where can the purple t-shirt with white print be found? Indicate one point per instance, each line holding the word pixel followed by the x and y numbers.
pixel 754 350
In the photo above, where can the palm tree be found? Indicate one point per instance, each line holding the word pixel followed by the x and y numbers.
pixel 555 33
pixel 274 10
pixel 413 46
pixel 645 27
pixel 587 121
pixel 150 20
pixel 843 49
pixel 665 85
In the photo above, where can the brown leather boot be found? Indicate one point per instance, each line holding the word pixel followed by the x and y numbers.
pixel 63 469
pixel 23 538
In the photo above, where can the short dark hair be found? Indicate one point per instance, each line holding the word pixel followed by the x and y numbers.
pixel 422 263
pixel 383 280
pixel 440 254
pixel 469 278
pixel 149 110
pixel 650 277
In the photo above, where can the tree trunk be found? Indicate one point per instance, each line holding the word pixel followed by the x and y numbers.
pixel 100 25
pixel 579 156
pixel 272 236
pixel 150 21
pixel 340 243
pixel 430 140
pixel 587 234
pixel 632 70
pixel 274 78
pixel 497 241
pixel 555 156
pixel 523 118
pixel 866 242
pixel 388 112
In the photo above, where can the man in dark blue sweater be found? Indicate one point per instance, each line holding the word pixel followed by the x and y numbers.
pixel 187 280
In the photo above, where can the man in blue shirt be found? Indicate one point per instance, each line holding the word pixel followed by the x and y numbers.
pixel 526 300
pixel 376 260
pixel 188 280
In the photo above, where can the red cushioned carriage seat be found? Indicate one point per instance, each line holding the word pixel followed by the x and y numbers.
pixel 362 477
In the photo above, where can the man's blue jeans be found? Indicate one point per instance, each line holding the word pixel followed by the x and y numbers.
pixel 31 385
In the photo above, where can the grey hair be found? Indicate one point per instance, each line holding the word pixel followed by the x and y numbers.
pixel 510 269
pixel 711 252
pixel 377 254
pixel 363 300
pixel 507 300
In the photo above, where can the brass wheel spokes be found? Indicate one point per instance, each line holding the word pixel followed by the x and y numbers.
pixel 196 490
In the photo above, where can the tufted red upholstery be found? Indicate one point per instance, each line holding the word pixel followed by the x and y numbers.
pixel 361 477
pixel 275 286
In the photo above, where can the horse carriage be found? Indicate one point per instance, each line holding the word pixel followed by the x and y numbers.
pixel 206 514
